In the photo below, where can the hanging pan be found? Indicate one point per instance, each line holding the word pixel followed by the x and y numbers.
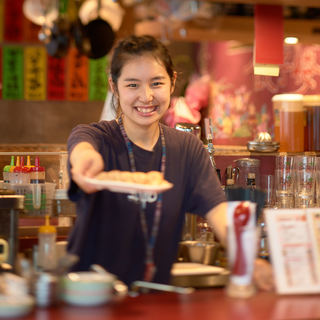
pixel 97 31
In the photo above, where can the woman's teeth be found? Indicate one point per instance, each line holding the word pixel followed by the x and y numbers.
pixel 146 110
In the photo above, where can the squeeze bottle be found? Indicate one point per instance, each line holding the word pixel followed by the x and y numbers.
pixel 47 246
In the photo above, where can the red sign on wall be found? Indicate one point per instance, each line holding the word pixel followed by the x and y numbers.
pixel 56 79
pixel 13 20
pixel 0 72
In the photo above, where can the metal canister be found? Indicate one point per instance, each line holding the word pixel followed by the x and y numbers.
pixel 189 127
pixel 10 206
pixel 45 289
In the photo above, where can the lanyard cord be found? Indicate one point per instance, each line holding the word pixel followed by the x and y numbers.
pixel 149 242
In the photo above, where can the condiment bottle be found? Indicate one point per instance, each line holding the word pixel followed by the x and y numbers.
pixel 47 246
pixel 22 172
pixel 28 165
pixel 6 171
pixel 38 174
pixel 15 175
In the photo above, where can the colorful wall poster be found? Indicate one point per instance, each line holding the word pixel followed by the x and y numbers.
pixel 77 76
pixel 13 20
pixel 12 84
pixel 98 79
pixel 35 69
pixel 1 19
pixel 56 89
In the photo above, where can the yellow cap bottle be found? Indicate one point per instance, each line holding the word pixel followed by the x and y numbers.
pixel 47 246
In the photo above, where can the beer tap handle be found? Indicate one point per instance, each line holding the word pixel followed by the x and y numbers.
pixel 209 137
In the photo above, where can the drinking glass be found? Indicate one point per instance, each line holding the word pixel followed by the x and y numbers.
pixel 268 187
pixel 305 180
pixel 284 181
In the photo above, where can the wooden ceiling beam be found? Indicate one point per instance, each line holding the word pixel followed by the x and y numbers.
pixel 242 29
pixel 295 3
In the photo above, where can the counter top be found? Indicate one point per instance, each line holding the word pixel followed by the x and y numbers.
pixel 202 304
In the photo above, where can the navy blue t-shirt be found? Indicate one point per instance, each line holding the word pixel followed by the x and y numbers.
pixel 107 229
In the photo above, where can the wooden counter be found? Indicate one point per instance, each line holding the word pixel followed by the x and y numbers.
pixel 202 304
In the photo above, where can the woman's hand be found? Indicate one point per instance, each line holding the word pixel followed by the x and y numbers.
pixel 263 275
pixel 85 162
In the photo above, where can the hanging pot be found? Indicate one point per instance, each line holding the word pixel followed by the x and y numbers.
pixel 109 10
pixel 94 35
pixel 101 38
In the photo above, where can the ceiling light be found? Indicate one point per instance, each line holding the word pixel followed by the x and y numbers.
pixel 291 40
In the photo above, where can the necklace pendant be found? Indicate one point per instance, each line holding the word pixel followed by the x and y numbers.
pixel 149 271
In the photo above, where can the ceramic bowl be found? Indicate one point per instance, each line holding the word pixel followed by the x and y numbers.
pixel 199 251
pixel 15 306
pixel 89 288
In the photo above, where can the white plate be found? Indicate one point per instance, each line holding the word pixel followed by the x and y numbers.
pixel 126 187
pixel 190 268
pixel 15 306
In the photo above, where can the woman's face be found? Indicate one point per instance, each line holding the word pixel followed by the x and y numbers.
pixel 144 90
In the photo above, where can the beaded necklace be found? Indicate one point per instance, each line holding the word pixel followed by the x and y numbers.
pixel 150 267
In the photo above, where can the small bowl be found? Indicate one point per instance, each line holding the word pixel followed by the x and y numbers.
pixel 15 306
pixel 87 288
pixel 199 251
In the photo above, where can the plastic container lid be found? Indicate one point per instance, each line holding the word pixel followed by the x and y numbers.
pixel 47 228
pixel 288 102
pixel 288 97
pixel 311 100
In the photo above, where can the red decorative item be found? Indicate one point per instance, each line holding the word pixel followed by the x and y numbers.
pixel 13 20
pixel 268 32
pixel 1 72
pixel 56 79
pixel 240 217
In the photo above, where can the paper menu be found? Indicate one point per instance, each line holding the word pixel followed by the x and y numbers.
pixel 294 243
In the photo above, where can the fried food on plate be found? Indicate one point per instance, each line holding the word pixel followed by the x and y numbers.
pixel 151 177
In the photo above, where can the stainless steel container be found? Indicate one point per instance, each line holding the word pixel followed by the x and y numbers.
pixel 189 127
pixel 10 207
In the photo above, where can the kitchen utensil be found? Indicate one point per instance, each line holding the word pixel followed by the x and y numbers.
pixel 189 127
pixel 58 38
pixel 247 172
pixel 10 207
pixel 109 11
pixel 96 38
pixel 263 143
pixel 241 218
pixel 91 288
pixel 137 285
pixel 198 251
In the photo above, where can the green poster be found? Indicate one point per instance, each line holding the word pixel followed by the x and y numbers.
pixel 12 69
pixel 98 79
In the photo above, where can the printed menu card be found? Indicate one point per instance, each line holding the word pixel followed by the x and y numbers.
pixel 294 246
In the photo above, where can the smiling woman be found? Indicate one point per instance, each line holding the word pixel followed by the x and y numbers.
pixel 130 237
